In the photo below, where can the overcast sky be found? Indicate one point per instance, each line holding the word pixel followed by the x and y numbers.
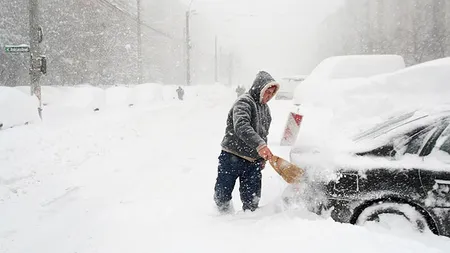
pixel 266 34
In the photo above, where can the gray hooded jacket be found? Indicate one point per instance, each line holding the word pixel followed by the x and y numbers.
pixel 249 120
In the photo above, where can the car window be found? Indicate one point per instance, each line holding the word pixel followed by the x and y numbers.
pixel 421 140
pixel 416 141
pixel 442 148
pixel 445 145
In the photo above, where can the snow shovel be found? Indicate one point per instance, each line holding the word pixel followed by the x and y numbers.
pixel 288 171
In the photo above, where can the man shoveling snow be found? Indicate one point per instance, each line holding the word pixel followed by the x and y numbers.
pixel 244 146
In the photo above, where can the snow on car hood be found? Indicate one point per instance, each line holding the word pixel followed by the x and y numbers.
pixel 325 166
pixel 324 159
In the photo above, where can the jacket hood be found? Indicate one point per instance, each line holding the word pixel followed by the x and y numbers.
pixel 262 82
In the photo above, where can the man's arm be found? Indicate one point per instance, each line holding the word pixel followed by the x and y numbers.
pixel 243 128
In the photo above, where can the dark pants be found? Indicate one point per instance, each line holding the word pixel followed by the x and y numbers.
pixel 230 168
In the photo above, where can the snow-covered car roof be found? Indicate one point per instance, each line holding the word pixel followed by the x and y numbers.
pixel 422 83
pixel 338 73
pixel 353 100
pixel 294 78
pixel 356 66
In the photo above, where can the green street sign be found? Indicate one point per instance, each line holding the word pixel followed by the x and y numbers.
pixel 17 48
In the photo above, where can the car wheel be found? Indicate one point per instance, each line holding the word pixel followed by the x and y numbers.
pixel 394 216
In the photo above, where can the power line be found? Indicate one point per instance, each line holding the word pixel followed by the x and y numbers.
pixel 134 18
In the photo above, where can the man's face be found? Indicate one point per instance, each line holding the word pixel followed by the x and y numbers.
pixel 269 94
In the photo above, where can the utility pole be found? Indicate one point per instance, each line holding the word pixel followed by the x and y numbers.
pixel 37 61
pixel 216 63
pixel 230 70
pixel 139 43
pixel 188 49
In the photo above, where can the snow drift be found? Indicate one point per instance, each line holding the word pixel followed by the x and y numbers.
pixel 17 108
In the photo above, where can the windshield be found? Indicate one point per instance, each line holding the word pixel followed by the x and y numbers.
pixel 392 123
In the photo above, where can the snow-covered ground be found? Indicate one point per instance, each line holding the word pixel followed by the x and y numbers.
pixel 140 179
pixel 17 108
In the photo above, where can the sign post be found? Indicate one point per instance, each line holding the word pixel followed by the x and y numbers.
pixel 36 61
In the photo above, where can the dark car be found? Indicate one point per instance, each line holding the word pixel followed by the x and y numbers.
pixel 411 183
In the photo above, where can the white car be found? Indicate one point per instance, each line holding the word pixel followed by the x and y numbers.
pixel 288 85
pixel 321 98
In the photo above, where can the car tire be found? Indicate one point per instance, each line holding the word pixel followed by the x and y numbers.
pixel 382 212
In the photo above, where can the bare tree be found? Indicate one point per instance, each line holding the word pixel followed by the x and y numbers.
pixel 415 29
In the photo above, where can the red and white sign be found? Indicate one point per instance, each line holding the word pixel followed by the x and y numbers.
pixel 291 130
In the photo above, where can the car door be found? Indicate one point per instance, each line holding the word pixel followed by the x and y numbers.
pixel 435 177
pixel 402 180
pixel 396 181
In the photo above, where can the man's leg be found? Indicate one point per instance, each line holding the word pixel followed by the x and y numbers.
pixel 250 185
pixel 226 179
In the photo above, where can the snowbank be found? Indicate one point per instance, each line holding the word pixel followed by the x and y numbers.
pixel 66 104
pixel 145 94
pixel 90 97
pixel 82 97
pixel 215 92
pixel 117 96
pixel 17 108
